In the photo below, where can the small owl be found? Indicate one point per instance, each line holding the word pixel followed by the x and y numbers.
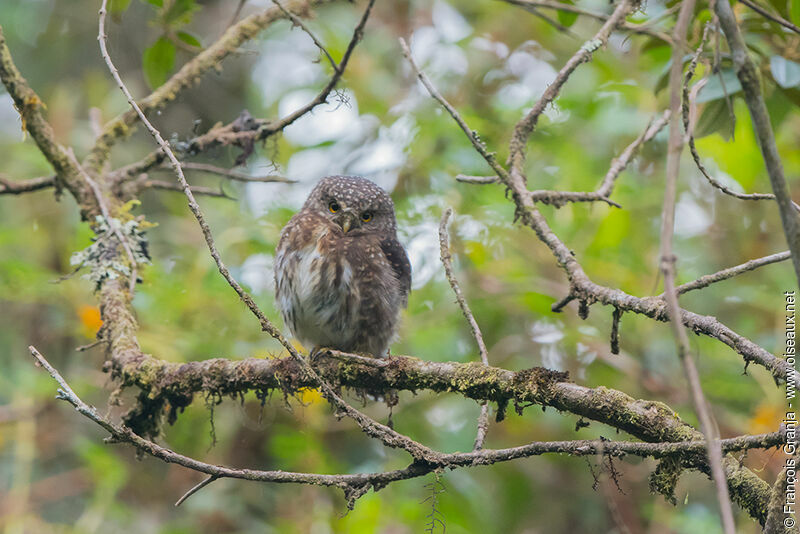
pixel 341 275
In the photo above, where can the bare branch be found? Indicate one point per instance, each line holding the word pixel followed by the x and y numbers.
pixel 299 23
pixel 271 128
pixel 11 187
pixel 479 180
pixel 196 488
pixel 531 5
pixel 687 113
pixel 146 183
pixel 234 175
pixel 771 16
pixel 725 274
pixel 559 198
pixel 30 108
pixel 621 163
pixel 447 262
pixel 751 86
pixel 471 134
pixel 668 260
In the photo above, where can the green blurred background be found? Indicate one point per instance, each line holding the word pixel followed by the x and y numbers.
pixel 492 60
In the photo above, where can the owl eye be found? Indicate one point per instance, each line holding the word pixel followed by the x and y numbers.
pixel 366 216
pixel 333 206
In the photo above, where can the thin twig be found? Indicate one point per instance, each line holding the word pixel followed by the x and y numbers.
pixel 447 262
pixel 235 175
pixel 558 198
pixel 771 16
pixel 147 183
pixel 687 113
pixel 471 134
pixel 479 180
pixel 196 488
pixel 299 23
pixel 271 128
pixel 236 16
pixel 725 274
pixel 645 29
pixel 675 148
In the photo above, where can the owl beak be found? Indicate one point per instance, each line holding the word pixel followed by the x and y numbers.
pixel 347 220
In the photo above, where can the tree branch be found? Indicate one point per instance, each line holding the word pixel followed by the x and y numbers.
pixel 771 16
pixel 356 485
pixel 603 192
pixel 688 110
pixel 234 175
pixel 725 274
pixel 11 187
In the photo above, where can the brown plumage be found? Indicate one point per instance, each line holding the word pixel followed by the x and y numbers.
pixel 341 275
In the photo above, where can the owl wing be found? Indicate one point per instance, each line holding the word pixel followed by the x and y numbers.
pixel 398 258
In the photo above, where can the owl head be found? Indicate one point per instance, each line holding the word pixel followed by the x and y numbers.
pixel 354 204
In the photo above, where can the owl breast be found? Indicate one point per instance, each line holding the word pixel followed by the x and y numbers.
pixel 317 295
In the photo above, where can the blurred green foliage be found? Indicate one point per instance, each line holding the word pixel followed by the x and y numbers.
pixel 491 60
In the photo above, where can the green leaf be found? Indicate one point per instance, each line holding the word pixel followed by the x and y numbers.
pixel 189 39
pixel 785 72
pixel 180 12
pixel 715 118
pixel 716 89
pixel 566 18
pixel 158 61
pixel 157 3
